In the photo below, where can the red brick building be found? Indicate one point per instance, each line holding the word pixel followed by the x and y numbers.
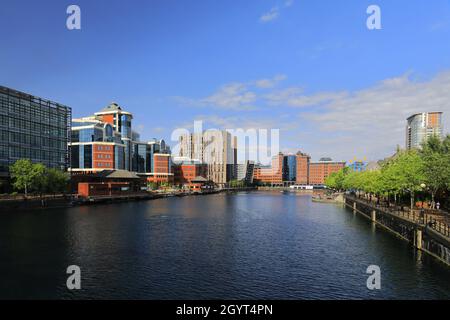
pixel 270 175
pixel 319 171
pixel 161 172
pixel 307 172
pixel 303 162
pixel 184 173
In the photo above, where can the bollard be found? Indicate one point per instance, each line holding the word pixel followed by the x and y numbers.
pixel 354 207
pixel 373 216
pixel 419 239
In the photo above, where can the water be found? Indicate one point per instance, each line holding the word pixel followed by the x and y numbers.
pixel 260 245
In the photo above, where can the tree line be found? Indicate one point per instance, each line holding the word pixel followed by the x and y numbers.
pixel 424 171
pixel 31 177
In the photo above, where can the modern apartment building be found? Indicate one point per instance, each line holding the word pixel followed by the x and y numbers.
pixel 33 128
pixel 217 149
pixel 420 126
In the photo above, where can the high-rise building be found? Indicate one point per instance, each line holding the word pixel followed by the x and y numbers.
pixel 217 149
pixel 33 128
pixel 420 126
pixel 121 122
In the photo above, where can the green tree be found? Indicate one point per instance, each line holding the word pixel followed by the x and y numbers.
pixel 436 158
pixel 26 175
pixel 330 181
pixel 56 181
pixel 407 173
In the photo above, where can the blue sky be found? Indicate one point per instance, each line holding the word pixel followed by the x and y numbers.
pixel 310 68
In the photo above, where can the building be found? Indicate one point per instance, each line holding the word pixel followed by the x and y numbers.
pixel 307 173
pixel 161 171
pixel 319 171
pixel 33 128
pixel 245 171
pixel 217 149
pixel 95 146
pixel 185 170
pixel 357 166
pixel 420 126
pixel 106 141
pixel 121 123
pixel 302 175
pixel 271 175
pixel 290 168
pixel 107 183
pixel 373 166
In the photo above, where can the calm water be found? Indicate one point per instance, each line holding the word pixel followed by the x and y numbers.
pixel 249 245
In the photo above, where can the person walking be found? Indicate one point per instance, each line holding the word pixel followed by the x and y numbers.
pixel 438 205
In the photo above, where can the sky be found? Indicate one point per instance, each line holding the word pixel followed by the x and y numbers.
pixel 311 69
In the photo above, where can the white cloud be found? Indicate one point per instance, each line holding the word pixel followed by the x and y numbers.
pixel 271 15
pixel 237 96
pixel 270 83
pixel 369 122
pixel 233 96
pixel 288 3
pixel 274 13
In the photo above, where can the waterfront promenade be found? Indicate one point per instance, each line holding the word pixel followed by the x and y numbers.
pixel 428 231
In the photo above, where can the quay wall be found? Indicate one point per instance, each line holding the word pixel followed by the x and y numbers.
pixel 420 235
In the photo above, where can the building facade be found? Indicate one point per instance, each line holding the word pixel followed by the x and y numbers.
pixel 217 149
pixel 302 175
pixel 186 170
pixel 106 141
pixel 358 166
pixel 273 174
pixel 307 173
pixel 290 168
pixel 95 146
pixel 245 171
pixel 320 171
pixel 33 128
pixel 421 126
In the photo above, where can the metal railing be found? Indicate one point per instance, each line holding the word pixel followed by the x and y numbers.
pixel 441 226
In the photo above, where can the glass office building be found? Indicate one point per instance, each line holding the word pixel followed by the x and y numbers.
pixel 290 168
pixel 33 128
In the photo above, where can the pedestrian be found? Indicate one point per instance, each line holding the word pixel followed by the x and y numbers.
pixel 438 205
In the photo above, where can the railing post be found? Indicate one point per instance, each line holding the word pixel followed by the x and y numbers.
pixel 419 239
pixel 373 216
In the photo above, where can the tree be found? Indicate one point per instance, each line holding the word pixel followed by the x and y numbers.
pixel 26 175
pixel 407 172
pixel 56 181
pixel 330 181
